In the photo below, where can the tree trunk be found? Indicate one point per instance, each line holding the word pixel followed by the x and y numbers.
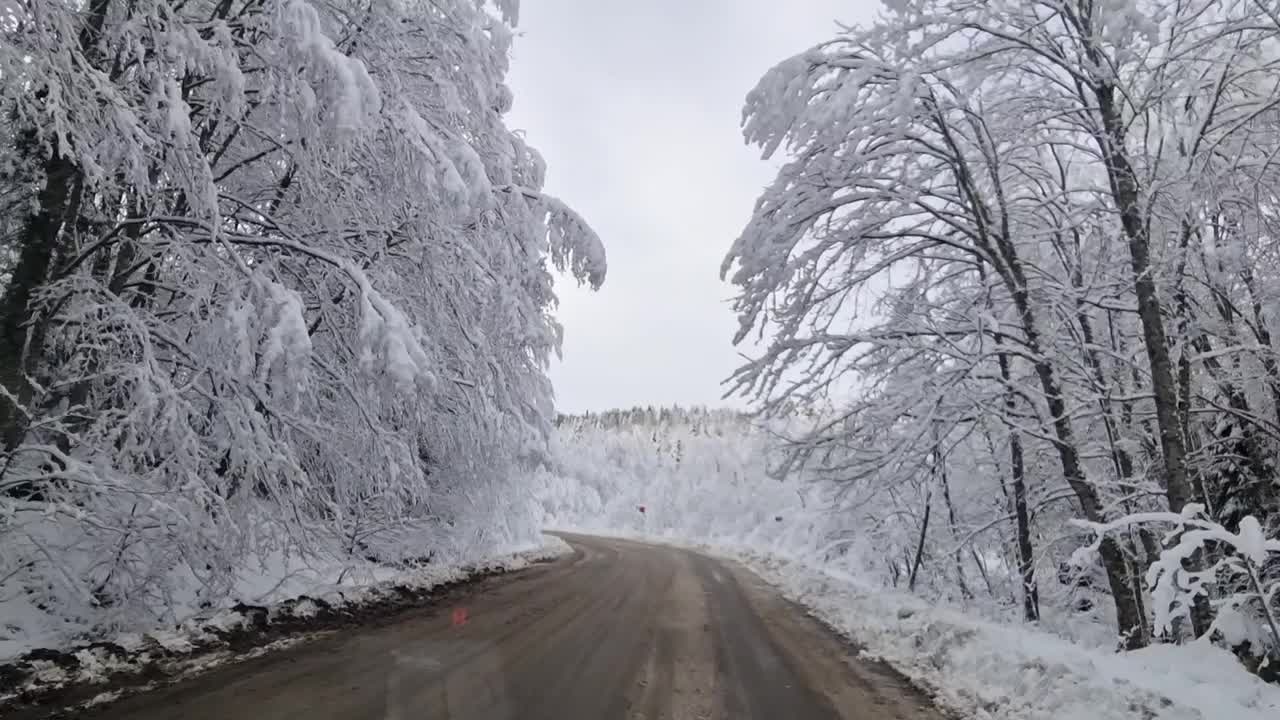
pixel 924 531
pixel 1126 193
pixel 1124 189
pixel 941 468
pixel 1129 616
pixel 1022 518
pixel 993 239
pixel 21 332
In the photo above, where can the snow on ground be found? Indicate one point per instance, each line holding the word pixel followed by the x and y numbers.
pixel 695 477
pixel 198 641
pixel 986 670
pixel 982 670
pixel 28 620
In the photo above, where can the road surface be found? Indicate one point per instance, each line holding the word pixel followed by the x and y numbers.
pixel 619 630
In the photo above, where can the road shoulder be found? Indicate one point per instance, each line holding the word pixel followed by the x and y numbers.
pixel 267 635
pixel 857 687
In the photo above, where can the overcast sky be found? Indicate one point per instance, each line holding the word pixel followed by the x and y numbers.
pixel 635 106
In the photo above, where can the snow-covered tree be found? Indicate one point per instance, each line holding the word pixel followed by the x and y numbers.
pixel 282 277
pixel 1024 238
pixel 698 474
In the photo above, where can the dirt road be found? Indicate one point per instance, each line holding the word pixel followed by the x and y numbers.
pixel 618 631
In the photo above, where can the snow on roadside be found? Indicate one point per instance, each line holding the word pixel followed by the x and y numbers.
pixel 201 641
pixel 989 671
pixel 985 670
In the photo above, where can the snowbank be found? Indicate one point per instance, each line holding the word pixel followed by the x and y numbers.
pixel 985 670
pixel 36 614
pixel 205 640
pixel 988 671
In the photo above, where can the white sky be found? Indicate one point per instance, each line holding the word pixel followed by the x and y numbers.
pixel 635 106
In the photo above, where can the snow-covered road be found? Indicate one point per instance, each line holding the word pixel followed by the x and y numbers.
pixel 617 630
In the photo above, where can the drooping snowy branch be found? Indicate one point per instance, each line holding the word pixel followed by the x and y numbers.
pixel 1028 239
pixel 267 293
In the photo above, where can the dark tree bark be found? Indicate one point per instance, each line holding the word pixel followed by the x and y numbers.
pixel 41 242
pixel 1022 518
pixel 924 532
pixel 1126 193
pixel 997 247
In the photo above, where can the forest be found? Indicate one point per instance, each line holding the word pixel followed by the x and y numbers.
pixel 1034 243
pixel 279 290
pixel 277 283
